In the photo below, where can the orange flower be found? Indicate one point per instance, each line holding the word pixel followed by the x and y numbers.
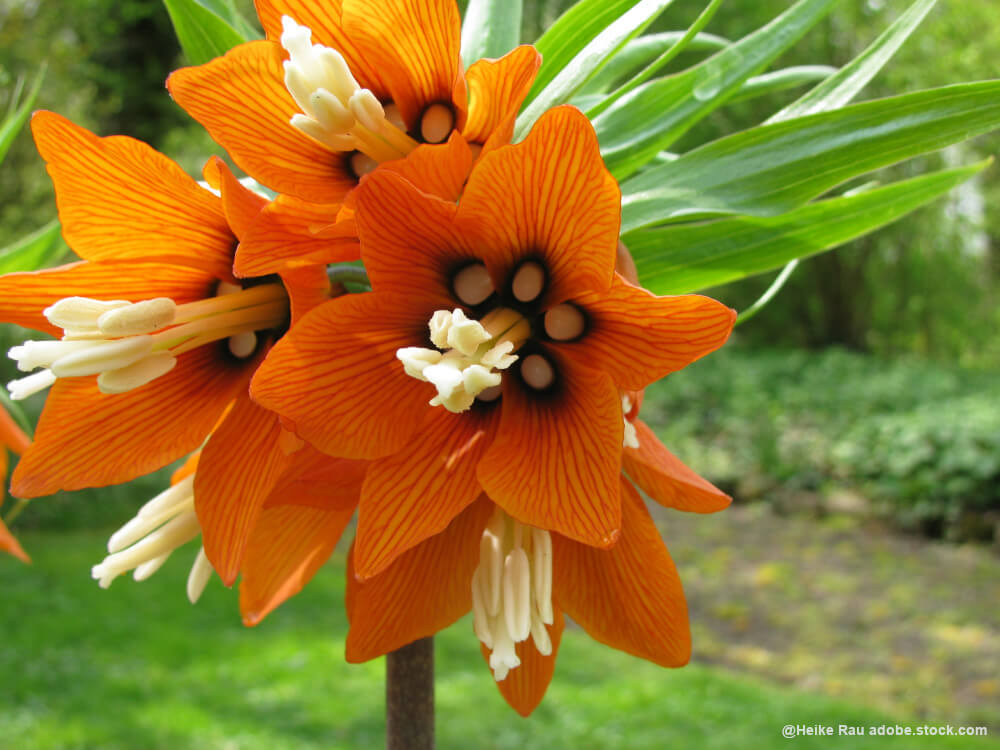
pixel 316 106
pixel 628 597
pixel 12 438
pixel 532 390
pixel 159 318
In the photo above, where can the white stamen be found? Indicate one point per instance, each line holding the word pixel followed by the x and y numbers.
pixel 137 374
pixel 144 571
pixel 101 356
pixel 416 359
pixel 142 317
pixel 29 386
pixel 174 500
pixel 242 345
pixel 79 313
pixel 201 571
pixel 33 354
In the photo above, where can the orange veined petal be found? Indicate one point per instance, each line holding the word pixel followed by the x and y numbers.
pixel 86 438
pixel 286 234
pixel 242 101
pixel 335 375
pixel 241 204
pixel 548 197
pixel 10 545
pixel 524 686
pixel 416 46
pixel 555 462
pixel 189 467
pixel 288 545
pixel 425 590
pixel 415 493
pixel 307 287
pixel 119 199
pixel 408 241
pixel 437 169
pixel 24 296
pixel 496 90
pixel 628 597
pixel 12 437
pixel 319 481
pixel 324 20
pixel 662 476
pixel 638 338
pixel 239 466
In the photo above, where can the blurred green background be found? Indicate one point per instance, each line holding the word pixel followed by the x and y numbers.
pixel 856 421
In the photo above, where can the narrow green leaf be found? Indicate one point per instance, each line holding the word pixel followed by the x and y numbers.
pixel 491 28
pixel 589 60
pixel 203 34
pixel 780 80
pixel 657 113
pixel 770 294
pixel 684 258
pixel 839 89
pixel 571 32
pixel 14 409
pixel 34 251
pixel 775 168
pixel 641 51
pixel 14 121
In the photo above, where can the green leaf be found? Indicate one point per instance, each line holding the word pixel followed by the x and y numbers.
pixel 14 121
pixel 491 28
pixel 839 89
pixel 657 113
pixel 679 259
pixel 36 250
pixel 14 409
pixel 569 34
pixel 588 61
pixel 780 80
pixel 768 295
pixel 203 33
pixel 640 52
pixel 775 168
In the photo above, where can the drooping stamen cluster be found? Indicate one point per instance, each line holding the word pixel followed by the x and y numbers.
pixel 130 344
pixel 631 437
pixel 143 544
pixel 512 591
pixel 340 114
pixel 472 353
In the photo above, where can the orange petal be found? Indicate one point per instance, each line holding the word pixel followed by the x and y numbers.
pixel 12 437
pixel 416 492
pixel 496 90
pixel 408 242
pixel 439 170
pixel 319 481
pixel 425 590
pixel 525 686
pixel 548 196
pixel 416 44
pixel 307 287
pixel 663 477
pixel 240 203
pixel 119 199
pixel 556 459
pixel 628 597
pixel 242 101
pixel 23 296
pixel 10 545
pixel 288 545
pixel 284 235
pixel 638 338
pixel 186 469
pixel 86 438
pixel 336 377
pixel 238 468
pixel 324 20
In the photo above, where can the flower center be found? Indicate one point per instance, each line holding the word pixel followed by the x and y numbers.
pixel 336 111
pixel 512 591
pixel 128 345
pixel 143 544
pixel 469 355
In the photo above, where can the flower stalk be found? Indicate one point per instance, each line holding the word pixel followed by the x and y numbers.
pixel 409 696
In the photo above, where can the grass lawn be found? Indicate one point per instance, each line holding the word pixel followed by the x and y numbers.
pixel 137 668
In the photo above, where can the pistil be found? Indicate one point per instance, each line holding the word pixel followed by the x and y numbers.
pixel 512 591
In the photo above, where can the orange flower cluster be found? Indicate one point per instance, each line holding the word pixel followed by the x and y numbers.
pixel 477 407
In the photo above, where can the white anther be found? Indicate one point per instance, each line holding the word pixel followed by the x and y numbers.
pixel 243 344
pixel 329 112
pixel 367 109
pixel 540 635
pixel 446 376
pixel 311 127
pixel 537 372
pixel 201 571
pixel 500 356
pixel 529 280
pixel 167 538
pixel 476 379
pixel 564 322
pixel 137 374
pixel 437 123
pixel 79 313
pixel 480 616
pixel 101 356
pixel 144 571
pixel 439 325
pixel 38 381
pixel 473 284
pixel 465 335
pixel 33 354
pixel 172 501
pixel 142 317
pixel 416 359
pixel 517 595
pixel 504 656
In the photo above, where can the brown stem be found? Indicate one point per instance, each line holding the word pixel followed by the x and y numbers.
pixel 409 697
